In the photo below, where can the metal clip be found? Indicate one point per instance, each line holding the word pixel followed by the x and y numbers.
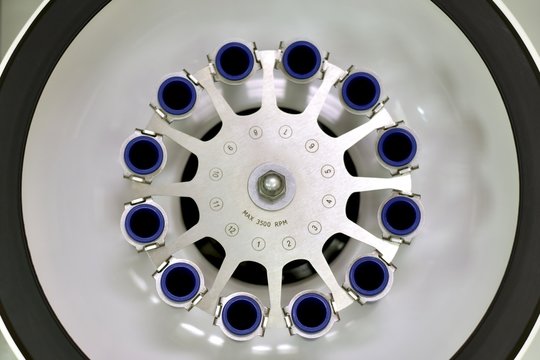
pixel 406 170
pixel 162 266
pixel 351 293
pixel 389 264
pixel 344 76
pixel 324 69
pixel 217 313
pixel 213 70
pixel 264 323
pixel 256 54
pixel 137 179
pixel 333 305
pixel 355 296
pixel 191 78
pixel 402 171
pixel 150 247
pixel 325 65
pixel 396 124
pixel 377 109
pixel 159 112
pixel 411 195
pixel 136 201
pixel 279 55
pixel 288 322
pixel 397 240
pixel 197 299
pixel 147 132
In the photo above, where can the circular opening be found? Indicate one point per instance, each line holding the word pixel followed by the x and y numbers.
pixel 397 147
pixel 144 223
pixel 311 313
pixel 143 155
pixel 242 315
pixel 177 95
pixel 401 215
pixel 234 61
pixel 369 276
pixel 180 282
pixel 361 91
pixel 301 60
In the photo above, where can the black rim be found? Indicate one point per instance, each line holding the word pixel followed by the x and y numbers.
pixel 24 308
pixel 516 306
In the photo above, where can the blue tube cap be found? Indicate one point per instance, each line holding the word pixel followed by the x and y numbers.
pixel 143 155
pixel 177 95
pixel 180 282
pixel 397 147
pixel 401 215
pixel 311 313
pixel 369 276
pixel 242 315
pixel 235 61
pixel 144 223
pixel 361 91
pixel 301 60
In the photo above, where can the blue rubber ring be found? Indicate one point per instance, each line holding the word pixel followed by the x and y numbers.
pixel 287 65
pixel 144 207
pixel 349 102
pixel 196 280
pixel 155 144
pixel 400 132
pixel 401 200
pixel 187 85
pixel 245 52
pixel 378 262
pixel 227 322
pixel 311 297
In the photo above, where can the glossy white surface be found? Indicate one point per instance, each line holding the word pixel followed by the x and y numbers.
pixel 472 112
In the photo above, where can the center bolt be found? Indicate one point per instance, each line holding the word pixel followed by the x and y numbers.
pixel 272 185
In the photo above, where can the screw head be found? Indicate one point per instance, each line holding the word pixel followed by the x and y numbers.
pixel 272 185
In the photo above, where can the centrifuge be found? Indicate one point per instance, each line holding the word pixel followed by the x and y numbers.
pixel 244 179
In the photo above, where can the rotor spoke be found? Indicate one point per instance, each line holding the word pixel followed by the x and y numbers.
pixel 161 254
pixel 340 296
pixel 387 249
pixel 188 142
pixel 401 183
pixel 206 80
pixel 331 76
pixel 349 139
pixel 275 276
pixel 180 189
pixel 268 63
pixel 210 300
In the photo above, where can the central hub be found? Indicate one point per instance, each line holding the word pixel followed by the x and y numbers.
pixel 271 187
